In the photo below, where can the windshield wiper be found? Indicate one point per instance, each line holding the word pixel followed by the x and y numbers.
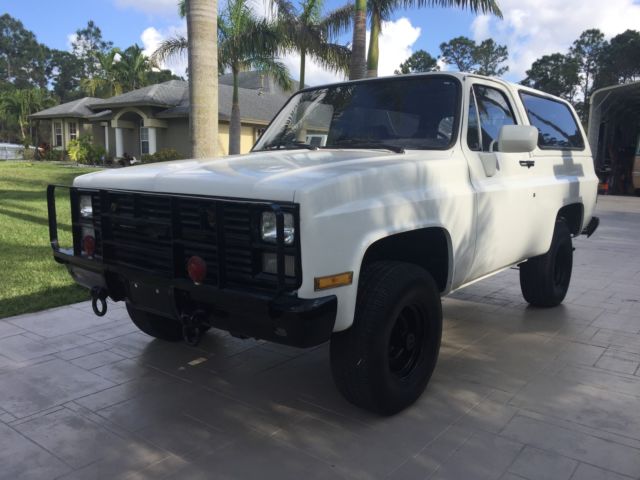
pixel 366 144
pixel 290 146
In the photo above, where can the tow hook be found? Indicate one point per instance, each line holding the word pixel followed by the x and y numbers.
pixel 193 327
pixel 99 295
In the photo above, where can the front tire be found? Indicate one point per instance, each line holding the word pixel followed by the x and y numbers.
pixel 385 360
pixel 544 280
pixel 163 328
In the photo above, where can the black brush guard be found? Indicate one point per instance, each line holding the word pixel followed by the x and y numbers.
pixel 145 263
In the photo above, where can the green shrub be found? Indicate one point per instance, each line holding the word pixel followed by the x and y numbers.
pixel 162 155
pixel 82 150
pixel 53 155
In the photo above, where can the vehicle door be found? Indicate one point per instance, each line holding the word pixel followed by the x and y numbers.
pixel 502 181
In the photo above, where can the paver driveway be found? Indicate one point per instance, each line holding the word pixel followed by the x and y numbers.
pixel 518 392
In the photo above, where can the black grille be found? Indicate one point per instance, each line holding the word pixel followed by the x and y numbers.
pixel 157 234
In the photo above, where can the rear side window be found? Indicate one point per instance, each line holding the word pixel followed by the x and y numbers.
pixel 555 122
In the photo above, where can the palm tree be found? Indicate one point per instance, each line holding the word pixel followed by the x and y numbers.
pixel 380 10
pixel 133 68
pixel 309 32
pixel 19 104
pixel 107 80
pixel 358 65
pixel 244 42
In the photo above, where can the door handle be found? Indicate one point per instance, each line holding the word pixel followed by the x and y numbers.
pixel 527 163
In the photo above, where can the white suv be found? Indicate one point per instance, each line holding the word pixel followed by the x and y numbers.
pixel 359 207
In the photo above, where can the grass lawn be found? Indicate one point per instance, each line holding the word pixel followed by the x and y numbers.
pixel 30 280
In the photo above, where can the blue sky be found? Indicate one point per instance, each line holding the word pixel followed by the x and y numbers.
pixel 527 33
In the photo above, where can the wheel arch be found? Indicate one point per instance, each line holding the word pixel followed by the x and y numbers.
pixel 429 248
pixel 573 215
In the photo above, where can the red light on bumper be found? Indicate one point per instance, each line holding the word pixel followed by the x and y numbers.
pixel 197 269
pixel 89 245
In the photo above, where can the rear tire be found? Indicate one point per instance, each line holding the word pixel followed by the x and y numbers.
pixel 163 328
pixel 544 280
pixel 385 360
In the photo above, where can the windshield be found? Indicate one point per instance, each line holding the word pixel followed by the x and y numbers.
pixel 395 113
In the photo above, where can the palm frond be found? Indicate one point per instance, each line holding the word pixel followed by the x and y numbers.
pixel 170 47
pixel 338 21
pixel 275 69
pixel 476 6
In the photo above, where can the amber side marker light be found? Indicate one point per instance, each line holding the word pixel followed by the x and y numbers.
pixel 332 281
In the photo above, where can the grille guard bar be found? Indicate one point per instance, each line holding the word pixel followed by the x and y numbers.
pixel 62 255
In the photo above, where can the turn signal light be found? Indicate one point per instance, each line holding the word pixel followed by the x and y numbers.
pixel 197 269
pixel 332 281
pixel 89 245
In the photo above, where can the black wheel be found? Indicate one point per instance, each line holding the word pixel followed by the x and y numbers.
pixel 544 280
pixel 164 328
pixel 385 360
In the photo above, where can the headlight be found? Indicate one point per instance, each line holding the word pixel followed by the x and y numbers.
pixel 268 231
pixel 86 207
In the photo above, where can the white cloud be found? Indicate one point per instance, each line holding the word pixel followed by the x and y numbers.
pixel 151 38
pixel 151 7
pixel 532 28
pixel 314 73
pixel 395 44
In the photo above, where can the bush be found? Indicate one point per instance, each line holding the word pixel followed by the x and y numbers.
pixel 82 150
pixel 54 155
pixel 163 155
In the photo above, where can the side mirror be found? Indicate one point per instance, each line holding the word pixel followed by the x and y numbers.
pixel 517 139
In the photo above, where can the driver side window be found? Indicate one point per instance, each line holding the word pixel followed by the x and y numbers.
pixel 491 108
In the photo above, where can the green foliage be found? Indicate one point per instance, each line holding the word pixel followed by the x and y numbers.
pixel 620 60
pixel 162 155
pixel 87 45
pixel 485 58
pixel 17 104
pixel 23 61
pixel 420 61
pixel 556 74
pixel 82 150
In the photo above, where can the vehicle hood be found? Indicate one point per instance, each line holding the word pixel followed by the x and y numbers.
pixel 274 176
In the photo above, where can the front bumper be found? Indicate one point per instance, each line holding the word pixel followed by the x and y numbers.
pixel 275 313
pixel 281 318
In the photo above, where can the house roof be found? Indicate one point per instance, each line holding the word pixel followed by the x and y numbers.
pixel 166 94
pixel 255 105
pixel 75 109
pixel 259 102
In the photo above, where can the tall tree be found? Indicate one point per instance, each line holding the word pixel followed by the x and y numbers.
pixel 244 42
pixel 358 63
pixel 459 51
pixel 19 104
pixel 66 73
pixel 620 60
pixel 485 58
pixel 203 76
pixel 587 50
pixel 556 74
pixel 381 10
pixel 133 68
pixel 489 58
pixel 419 61
pixel 107 79
pixel 23 61
pixel 309 33
pixel 87 44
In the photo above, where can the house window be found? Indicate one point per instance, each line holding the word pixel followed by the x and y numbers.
pixel 144 140
pixel 73 131
pixel 57 131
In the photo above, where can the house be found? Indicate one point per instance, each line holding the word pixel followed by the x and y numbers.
pixel 157 116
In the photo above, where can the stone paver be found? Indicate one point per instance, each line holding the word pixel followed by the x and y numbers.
pixel 519 393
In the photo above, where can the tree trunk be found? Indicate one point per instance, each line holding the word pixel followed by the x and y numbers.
pixel 357 67
pixel 202 18
pixel 303 55
pixel 372 57
pixel 234 127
